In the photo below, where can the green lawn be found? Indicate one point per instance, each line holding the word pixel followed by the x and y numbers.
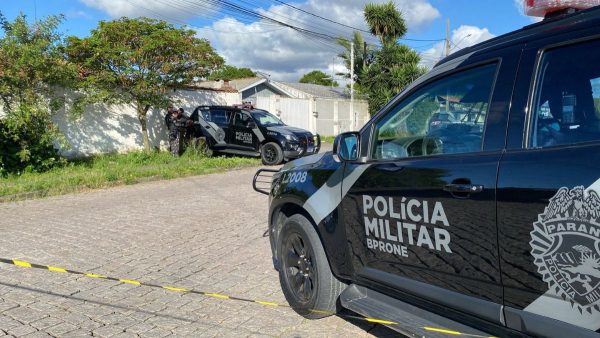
pixel 327 139
pixel 114 169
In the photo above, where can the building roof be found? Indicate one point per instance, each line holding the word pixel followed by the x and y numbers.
pixel 290 89
pixel 315 90
pixel 245 83
pixel 216 86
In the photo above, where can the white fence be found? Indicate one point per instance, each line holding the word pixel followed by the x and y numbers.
pixel 324 116
pixel 115 128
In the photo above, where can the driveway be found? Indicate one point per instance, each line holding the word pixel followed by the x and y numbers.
pixel 203 233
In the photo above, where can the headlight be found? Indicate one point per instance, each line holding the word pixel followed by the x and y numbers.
pixel 291 137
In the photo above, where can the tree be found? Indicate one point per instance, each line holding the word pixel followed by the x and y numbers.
pixel 385 22
pixel 32 68
pixel 231 73
pixel 140 61
pixel 394 66
pixel 319 78
pixel 363 57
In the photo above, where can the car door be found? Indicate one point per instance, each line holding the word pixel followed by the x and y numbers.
pixel 241 134
pixel 213 123
pixel 548 186
pixel 421 217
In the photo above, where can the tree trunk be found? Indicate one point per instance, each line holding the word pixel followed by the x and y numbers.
pixel 142 111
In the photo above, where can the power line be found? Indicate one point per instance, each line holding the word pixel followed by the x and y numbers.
pixel 238 11
pixel 320 17
pixel 348 26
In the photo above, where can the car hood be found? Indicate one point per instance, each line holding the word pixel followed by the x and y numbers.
pixel 287 130
pixel 309 162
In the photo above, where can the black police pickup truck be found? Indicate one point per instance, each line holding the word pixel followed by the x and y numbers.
pixel 252 132
pixel 485 223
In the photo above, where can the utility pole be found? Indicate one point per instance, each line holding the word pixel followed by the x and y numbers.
pixel 332 69
pixel 447 37
pixel 352 114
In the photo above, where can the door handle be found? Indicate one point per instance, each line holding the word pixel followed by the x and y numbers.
pixel 463 188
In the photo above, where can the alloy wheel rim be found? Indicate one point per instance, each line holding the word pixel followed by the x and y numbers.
pixel 270 154
pixel 299 269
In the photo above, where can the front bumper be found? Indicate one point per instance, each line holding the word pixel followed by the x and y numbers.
pixel 307 145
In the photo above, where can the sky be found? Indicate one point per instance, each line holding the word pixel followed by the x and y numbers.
pixel 280 52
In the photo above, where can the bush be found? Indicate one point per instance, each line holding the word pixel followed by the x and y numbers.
pixel 27 137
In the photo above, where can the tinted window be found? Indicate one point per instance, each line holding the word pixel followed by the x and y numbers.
pixel 241 119
pixel 444 117
pixel 566 106
pixel 264 118
pixel 219 116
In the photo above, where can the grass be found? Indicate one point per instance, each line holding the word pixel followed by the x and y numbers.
pixel 112 170
pixel 327 139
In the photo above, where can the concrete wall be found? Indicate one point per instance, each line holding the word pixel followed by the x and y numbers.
pixel 115 128
pixel 323 116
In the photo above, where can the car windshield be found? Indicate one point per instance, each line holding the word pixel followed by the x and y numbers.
pixel 264 118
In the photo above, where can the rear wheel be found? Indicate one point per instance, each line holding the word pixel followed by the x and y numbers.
pixel 306 279
pixel 271 154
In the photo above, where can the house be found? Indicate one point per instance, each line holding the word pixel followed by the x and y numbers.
pixel 322 109
pixel 254 87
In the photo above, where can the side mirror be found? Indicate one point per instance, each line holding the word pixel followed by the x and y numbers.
pixel 251 124
pixel 345 146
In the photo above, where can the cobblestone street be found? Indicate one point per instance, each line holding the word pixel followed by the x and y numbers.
pixel 203 233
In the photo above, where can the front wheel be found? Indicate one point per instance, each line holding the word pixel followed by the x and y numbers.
pixel 271 154
pixel 305 277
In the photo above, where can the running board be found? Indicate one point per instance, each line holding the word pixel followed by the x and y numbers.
pixel 403 317
pixel 239 152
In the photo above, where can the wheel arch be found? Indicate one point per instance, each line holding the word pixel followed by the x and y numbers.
pixel 278 217
pixel 272 139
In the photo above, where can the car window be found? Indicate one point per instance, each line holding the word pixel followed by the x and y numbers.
pixel 241 119
pixel 265 119
pixel 444 117
pixel 219 116
pixel 566 105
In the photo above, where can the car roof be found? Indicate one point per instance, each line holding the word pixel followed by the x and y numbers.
pixel 219 107
pixel 547 27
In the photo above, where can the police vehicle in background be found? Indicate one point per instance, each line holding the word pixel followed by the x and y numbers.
pixel 487 224
pixel 247 131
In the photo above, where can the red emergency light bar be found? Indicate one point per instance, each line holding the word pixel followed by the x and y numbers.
pixel 545 7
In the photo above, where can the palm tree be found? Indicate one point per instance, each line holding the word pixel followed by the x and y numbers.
pixel 363 55
pixel 385 21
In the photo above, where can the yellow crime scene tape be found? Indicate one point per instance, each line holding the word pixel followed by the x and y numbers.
pixel 25 264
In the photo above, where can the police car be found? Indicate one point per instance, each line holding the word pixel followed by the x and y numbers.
pixel 485 226
pixel 252 132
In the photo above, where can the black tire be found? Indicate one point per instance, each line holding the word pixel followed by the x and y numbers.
pixel 208 151
pixel 304 274
pixel 271 154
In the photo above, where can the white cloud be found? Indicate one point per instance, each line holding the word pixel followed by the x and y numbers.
pixel 75 14
pixel 162 9
pixel 520 4
pixel 265 46
pixel 286 54
pixel 463 36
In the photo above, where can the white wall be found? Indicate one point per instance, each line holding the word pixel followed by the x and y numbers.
pixel 115 128
pixel 333 115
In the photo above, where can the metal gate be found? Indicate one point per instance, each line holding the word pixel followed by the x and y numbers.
pixel 293 112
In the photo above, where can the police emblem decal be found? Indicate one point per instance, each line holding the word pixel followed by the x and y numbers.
pixel 565 244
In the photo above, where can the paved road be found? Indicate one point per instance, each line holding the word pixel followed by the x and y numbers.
pixel 182 232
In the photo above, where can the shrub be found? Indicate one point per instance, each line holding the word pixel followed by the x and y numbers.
pixel 27 139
